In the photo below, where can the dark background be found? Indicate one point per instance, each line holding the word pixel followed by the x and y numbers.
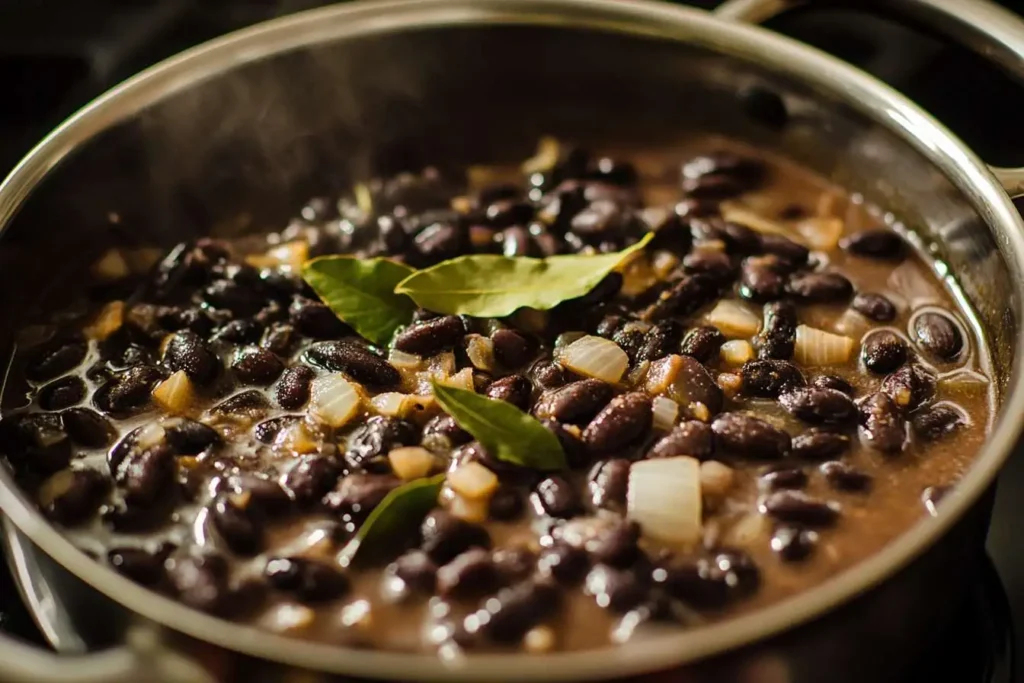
pixel 55 55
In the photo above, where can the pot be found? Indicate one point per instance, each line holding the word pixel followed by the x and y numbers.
pixel 271 115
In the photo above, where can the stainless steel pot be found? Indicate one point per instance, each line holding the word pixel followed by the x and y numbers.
pixel 260 119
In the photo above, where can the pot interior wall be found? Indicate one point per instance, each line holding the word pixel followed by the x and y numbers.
pixel 242 149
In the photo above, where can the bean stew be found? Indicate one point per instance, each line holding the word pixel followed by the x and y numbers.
pixel 650 391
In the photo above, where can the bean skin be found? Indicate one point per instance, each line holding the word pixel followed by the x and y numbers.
pixel 87 428
pixel 883 351
pixel 470 574
pixel 820 288
pixel 446 536
pixel 623 421
pixel 187 351
pixel 608 483
pixel 769 378
pixel 874 307
pixel 72 497
pixel 909 387
pixel 882 425
pixel 798 508
pixel 702 343
pixel 877 244
pixel 242 531
pixel 793 543
pixel 507 616
pixel 256 366
pixel 292 391
pixel 514 389
pixel 692 438
pixel 660 341
pixel 749 437
pixel 62 393
pixel 820 444
pixel 778 336
pixel 939 420
pixel 563 562
pixel 354 359
pixel 938 336
pixel 556 497
pixel 688 295
pixel 575 403
pixel 833 382
pixel 778 480
pixel 432 336
pixel 760 281
pixel 819 406
pixel 843 477
pixel 511 349
pixel 56 358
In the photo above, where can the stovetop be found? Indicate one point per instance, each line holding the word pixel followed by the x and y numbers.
pixel 56 55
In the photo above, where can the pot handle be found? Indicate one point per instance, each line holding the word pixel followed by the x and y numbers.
pixel 142 658
pixel 989 30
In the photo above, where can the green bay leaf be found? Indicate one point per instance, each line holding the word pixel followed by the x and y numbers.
pixel 489 286
pixel 395 518
pixel 362 293
pixel 506 432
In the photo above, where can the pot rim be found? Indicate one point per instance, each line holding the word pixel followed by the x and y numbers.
pixel 823 72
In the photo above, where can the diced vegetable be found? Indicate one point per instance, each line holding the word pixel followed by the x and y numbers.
pixel 412 462
pixel 463 379
pixel 734 319
pixel 335 400
pixel 473 481
pixel 736 352
pixel 595 357
pixel 818 347
pixel 664 498
pixel 480 350
pixel 111 266
pixel 821 233
pixel 545 158
pixel 737 213
pixel 465 508
pixel 175 394
pixel 108 321
pixel 666 413
pixel 716 478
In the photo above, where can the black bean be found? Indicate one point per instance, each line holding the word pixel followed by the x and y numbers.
pixel 819 406
pixel 514 563
pixel 147 477
pixel 938 336
pixel 690 383
pixel 820 288
pixel 445 426
pixel 556 497
pixel 354 359
pixel 268 430
pixel 437 242
pixel 686 296
pixel 778 336
pixel 241 530
pixel 874 307
pixel 55 358
pixel 514 389
pixel 507 616
pixel 721 175
pixel 790 254
pixel 614 589
pixel 577 455
pixel 256 366
pixel 795 507
pixel 702 343
pixel 36 440
pixel 878 243
pixel 278 339
pixel 740 570
pixel 127 392
pixel 515 241
pixel 660 341
pixel 608 483
pixel 764 106
pixel 910 387
pixel 233 296
pixel 368 445
pixel 793 543
pixel 563 562
pixel 603 292
pixel 698 584
pixel 883 426
pixel 413 572
pixel 87 428
pixel 187 351
pixel 777 480
pixel 739 239
pixel 844 477
pixel 200 581
pixel 240 331
pixel 935 422
pixel 310 581
pixel 575 403
pixel 311 478
pixel 508 212
pixel 139 565
pixel 883 351
pixel 247 405
pixel 189 437
pixel 760 280
pixel 445 536
pixel 316 320
pixel 267 496
pixel 820 444
pixel 623 421
pixel 713 269
pixel 292 392
pixel 691 437
pixel 630 339
pixel 358 494
pixel 550 375
pixel 471 574
pixel 432 336
pixel 767 378
pixel 130 518
pixel 72 497
pixel 62 393
pixel 932 497
pixel 506 505
pixel 749 437
pixel 617 546
pixel 834 382
pixel 511 349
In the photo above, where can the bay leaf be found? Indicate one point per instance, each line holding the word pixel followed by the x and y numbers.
pixel 395 518
pixel 503 430
pixel 489 286
pixel 362 293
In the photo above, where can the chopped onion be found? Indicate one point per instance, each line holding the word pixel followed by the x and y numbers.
pixel 737 213
pixel 175 394
pixel 335 400
pixel 747 530
pixel 912 285
pixel 463 379
pixel 442 365
pixel 663 263
pixel 638 374
pixel 473 481
pixel 545 158
pixel 818 347
pixel 404 361
pixel 595 357
pixel 821 233
pixel 715 478
pixel 637 275
pixel 291 254
pixel 111 266
pixel 665 412
pixel 465 508
pixel 108 321
pixel 851 323
pixel 736 352
pixel 480 350
pixel 411 462
pixel 296 438
pixel 149 436
pixel 730 383
pixel 55 487
pixel 363 197
pixel 734 319
pixel 391 403
pixel 664 498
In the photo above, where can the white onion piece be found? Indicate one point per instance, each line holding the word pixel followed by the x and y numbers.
pixel 818 347
pixel 545 157
pixel 716 478
pixel 821 233
pixel 664 498
pixel 734 319
pixel 737 213
pixel 335 400
pixel 404 361
pixel 463 379
pixel 595 357
pixel 851 323
pixel 411 462
pixel 736 352
pixel 473 481
pixel 665 412
pixel 390 403
pixel 912 285
pixel 480 351
pixel 175 394
pixel 108 321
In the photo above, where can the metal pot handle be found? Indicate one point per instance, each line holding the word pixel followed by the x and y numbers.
pixel 989 30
